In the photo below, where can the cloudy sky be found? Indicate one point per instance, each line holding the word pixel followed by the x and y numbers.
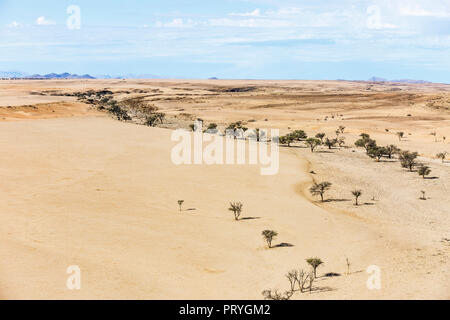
pixel 267 39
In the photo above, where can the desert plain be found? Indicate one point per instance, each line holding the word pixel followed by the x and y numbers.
pixel 81 188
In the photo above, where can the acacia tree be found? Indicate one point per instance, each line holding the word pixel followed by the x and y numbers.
pixel 442 156
pixel 365 142
pixel 180 203
pixel 356 194
pixel 320 136
pixel 330 143
pixel 408 159
pixel 313 143
pixel 299 135
pixel 319 189
pixel 236 208
pixel 269 235
pixel 424 171
pixel 314 263
pixel 287 139
pixel 390 150
pixel 376 153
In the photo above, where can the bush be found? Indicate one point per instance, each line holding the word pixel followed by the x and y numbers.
pixel 269 235
pixel 442 156
pixel 236 208
pixel 120 113
pixel 152 119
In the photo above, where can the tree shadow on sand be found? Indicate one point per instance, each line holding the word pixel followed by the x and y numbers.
pixel 337 200
pixel 250 218
pixel 283 245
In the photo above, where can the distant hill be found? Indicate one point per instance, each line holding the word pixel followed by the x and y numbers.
pixel 22 75
pixel 378 79
pixel 61 76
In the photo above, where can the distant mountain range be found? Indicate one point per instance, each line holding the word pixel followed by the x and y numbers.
pixel 66 75
pixel 378 79
pixel 21 75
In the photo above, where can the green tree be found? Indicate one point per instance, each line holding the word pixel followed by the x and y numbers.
pixel 313 143
pixel 330 143
pixel 390 150
pixel 320 136
pixel 314 263
pixel 269 235
pixel 408 159
pixel 424 171
pixel 287 139
pixel 319 189
pixel 299 135
pixel 365 142
pixel 376 153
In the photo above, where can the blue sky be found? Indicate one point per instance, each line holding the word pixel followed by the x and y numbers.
pixel 259 39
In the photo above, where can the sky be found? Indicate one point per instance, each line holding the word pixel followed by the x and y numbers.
pixel 229 39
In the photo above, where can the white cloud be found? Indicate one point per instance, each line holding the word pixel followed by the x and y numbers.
pixel 254 13
pixel 14 24
pixel 418 11
pixel 177 23
pixel 249 23
pixel 42 21
pixel 282 12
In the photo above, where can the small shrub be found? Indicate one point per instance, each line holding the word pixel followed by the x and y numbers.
pixel 236 208
pixel 442 156
pixel 269 235
pixel 356 194
pixel 180 203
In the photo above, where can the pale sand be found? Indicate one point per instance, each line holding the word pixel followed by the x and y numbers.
pixel 101 194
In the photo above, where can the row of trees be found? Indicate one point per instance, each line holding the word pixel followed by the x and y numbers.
pixel 313 142
pixel 407 158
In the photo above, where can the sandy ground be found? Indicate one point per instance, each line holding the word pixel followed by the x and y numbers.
pixel 79 188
